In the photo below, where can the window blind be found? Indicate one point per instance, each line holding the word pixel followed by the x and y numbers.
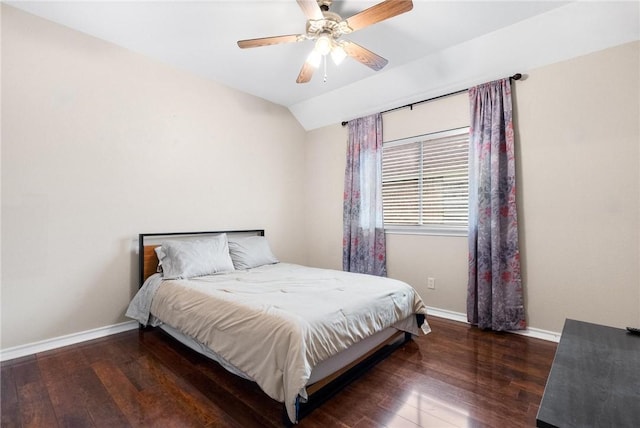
pixel 425 180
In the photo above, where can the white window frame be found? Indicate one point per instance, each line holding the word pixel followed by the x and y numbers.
pixel 430 229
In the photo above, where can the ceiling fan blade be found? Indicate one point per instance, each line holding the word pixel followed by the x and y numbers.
pixel 363 55
pixel 305 73
pixel 266 41
pixel 311 9
pixel 381 11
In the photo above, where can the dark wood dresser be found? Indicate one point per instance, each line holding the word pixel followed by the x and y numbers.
pixel 594 380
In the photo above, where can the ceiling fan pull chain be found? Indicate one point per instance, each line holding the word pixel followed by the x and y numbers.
pixel 324 60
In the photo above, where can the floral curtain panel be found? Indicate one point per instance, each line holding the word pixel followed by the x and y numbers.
pixel 363 246
pixel 495 297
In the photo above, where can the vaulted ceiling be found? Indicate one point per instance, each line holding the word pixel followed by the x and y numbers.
pixel 438 47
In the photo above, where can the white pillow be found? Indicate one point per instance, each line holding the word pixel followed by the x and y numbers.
pixel 251 252
pixel 160 254
pixel 198 257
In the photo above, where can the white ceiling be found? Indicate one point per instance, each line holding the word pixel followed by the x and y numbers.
pixel 438 47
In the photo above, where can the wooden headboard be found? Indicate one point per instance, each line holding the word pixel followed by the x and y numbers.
pixel 147 243
pixel 149 262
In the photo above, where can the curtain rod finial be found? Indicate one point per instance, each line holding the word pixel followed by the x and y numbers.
pixel 517 76
pixel 345 123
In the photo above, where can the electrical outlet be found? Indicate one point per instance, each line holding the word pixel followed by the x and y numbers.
pixel 431 283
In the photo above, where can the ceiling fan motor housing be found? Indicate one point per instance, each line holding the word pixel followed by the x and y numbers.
pixel 332 25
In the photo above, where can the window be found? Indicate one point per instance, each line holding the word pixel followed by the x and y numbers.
pixel 425 183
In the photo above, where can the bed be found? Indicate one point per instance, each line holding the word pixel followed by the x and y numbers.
pixel 300 333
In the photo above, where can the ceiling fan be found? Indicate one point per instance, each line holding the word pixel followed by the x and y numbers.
pixel 326 29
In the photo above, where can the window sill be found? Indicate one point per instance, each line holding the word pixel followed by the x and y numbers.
pixel 433 231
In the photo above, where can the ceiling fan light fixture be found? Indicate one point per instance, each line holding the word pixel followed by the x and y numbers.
pixel 314 58
pixel 323 44
pixel 338 54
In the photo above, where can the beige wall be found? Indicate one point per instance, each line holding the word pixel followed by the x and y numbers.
pixel 579 133
pixel 100 144
pixel 326 150
pixel 578 148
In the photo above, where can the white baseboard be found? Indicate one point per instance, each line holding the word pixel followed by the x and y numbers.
pixel 550 336
pixel 446 314
pixel 70 339
pixel 537 333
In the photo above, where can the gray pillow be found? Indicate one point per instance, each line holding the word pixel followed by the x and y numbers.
pixel 251 252
pixel 198 257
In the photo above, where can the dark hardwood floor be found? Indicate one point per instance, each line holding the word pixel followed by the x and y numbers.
pixel 457 376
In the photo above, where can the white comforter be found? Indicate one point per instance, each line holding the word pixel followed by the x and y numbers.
pixel 276 322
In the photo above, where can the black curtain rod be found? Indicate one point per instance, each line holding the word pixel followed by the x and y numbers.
pixel 516 76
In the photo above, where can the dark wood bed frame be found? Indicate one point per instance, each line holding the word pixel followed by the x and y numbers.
pixel 317 392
